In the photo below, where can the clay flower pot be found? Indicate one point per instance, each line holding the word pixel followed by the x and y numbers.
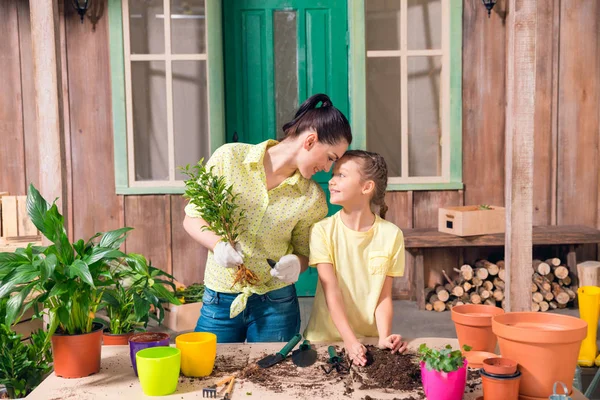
pixel 108 339
pixel 544 345
pixel 77 356
pixel 500 387
pixel 499 366
pixel 473 324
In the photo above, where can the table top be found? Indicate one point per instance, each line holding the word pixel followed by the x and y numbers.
pixel 116 379
pixel 541 235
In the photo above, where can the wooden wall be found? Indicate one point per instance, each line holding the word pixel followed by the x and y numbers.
pixel 567 133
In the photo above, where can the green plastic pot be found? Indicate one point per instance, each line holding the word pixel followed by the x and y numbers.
pixel 158 370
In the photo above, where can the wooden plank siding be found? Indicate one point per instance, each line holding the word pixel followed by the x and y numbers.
pixel 566 158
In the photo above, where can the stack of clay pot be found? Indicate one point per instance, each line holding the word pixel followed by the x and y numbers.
pixel 500 379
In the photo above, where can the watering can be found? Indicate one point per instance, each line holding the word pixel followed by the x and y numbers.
pixel 558 396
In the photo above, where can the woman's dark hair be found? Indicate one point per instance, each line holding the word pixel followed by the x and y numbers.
pixel 329 122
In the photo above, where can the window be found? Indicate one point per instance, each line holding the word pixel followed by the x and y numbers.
pixel 409 57
pixel 163 78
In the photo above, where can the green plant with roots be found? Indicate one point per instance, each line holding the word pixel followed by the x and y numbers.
pixel 216 203
pixel 138 287
pixel 191 294
pixel 444 360
pixel 22 366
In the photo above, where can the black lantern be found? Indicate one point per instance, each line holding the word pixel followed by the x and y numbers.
pixel 81 6
pixel 489 4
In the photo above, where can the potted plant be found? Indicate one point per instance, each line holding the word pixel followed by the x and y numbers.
pixel 185 316
pixel 443 372
pixel 68 279
pixel 23 364
pixel 138 287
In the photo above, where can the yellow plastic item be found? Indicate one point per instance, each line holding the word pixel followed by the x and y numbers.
pixel 198 352
pixel 589 308
pixel 158 370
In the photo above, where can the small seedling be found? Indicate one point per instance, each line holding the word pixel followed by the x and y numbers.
pixel 485 207
pixel 445 360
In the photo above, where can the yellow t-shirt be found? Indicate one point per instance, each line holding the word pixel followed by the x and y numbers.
pixel 277 222
pixel 361 261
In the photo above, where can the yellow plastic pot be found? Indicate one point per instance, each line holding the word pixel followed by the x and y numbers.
pixel 198 352
pixel 158 370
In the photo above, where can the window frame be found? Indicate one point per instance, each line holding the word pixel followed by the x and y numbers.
pixel 358 58
pixel 119 86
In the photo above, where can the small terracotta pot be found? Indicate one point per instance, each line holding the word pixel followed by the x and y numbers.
pixel 77 356
pixel 499 366
pixel 108 339
pixel 473 324
pixel 500 387
pixel 545 346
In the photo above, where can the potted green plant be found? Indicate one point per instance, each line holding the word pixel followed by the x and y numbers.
pixel 138 287
pixel 443 372
pixel 68 279
pixel 23 364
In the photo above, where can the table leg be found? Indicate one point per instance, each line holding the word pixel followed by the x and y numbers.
pixel 420 278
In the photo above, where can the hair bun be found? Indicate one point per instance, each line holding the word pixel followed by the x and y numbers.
pixel 323 99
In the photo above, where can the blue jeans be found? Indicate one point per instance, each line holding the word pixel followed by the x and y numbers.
pixel 271 317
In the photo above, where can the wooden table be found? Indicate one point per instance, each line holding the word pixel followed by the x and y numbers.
pixel 416 240
pixel 116 379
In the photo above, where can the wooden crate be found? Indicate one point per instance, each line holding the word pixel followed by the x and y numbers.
pixel 17 228
pixel 182 318
pixel 471 220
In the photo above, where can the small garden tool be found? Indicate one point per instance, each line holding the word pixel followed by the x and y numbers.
pixel 211 391
pixel 589 308
pixel 305 355
pixel 558 396
pixel 336 362
pixel 229 389
pixel 273 359
pixel 271 263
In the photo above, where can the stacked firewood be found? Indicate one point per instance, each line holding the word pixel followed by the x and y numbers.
pixel 484 282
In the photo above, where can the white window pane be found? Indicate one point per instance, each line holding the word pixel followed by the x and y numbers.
pixel 146 27
pixel 424 116
pixel 188 27
pixel 286 68
pixel 150 120
pixel 190 113
pixel 424 24
pixel 383 110
pixel 382 24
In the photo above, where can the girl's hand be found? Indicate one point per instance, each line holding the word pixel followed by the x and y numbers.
pixel 357 353
pixel 394 343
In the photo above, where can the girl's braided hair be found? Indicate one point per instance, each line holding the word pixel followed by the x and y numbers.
pixel 374 168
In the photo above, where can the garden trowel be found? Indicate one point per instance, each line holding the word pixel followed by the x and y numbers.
pixel 305 355
pixel 273 359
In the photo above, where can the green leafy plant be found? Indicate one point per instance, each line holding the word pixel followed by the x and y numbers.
pixel 68 279
pixel 23 365
pixel 445 360
pixel 138 287
pixel 191 294
pixel 216 204
pixel 484 207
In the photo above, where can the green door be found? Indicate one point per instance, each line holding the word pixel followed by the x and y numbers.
pixel 277 54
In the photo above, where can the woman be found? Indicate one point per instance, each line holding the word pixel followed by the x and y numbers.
pixel 281 202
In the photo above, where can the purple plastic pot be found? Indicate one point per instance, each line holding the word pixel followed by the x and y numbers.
pixel 145 340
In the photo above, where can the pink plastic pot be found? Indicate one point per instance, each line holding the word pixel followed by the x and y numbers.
pixel 444 385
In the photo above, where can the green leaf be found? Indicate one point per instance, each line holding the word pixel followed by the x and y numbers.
pixel 141 307
pixel 113 239
pixel 21 276
pixel 12 260
pixel 102 253
pixel 37 207
pixel 47 267
pixel 165 294
pixel 81 269
pixel 15 303
pixel 63 315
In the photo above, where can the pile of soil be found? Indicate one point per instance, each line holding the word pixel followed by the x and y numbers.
pixel 390 371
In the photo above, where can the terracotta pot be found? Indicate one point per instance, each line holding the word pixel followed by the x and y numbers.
pixel 473 324
pixel 108 339
pixel 545 346
pixel 77 356
pixel 500 387
pixel 499 366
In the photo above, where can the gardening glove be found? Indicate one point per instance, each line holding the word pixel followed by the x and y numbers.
pixel 226 256
pixel 287 269
pixel 394 343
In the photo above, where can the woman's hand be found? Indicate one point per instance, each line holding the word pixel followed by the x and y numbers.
pixel 226 256
pixel 356 352
pixel 287 268
pixel 394 343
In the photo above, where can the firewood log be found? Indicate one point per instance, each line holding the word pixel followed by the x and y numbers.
pixel 548 296
pixel 476 282
pixel 537 297
pixel 535 307
pixel 498 295
pixel 553 262
pixel 572 294
pixel 561 272
pixel 502 272
pixel 540 267
pixel 467 286
pixel 482 273
pixel 550 277
pixel 499 283
pixel 542 283
pixel 544 306
pixel 458 291
pixel 442 293
pixel 500 264
pixel 560 295
pixel 439 306
pixel 488 285
pixel 566 281
pixel 490 302
pixel 429 307
pixel 475 298
pixel 467 272
pixel 492 268
pixel 484 294
pixel 553 305
pixel 534 287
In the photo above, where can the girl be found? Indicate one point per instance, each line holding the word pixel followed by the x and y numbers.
pixel 281 202
pixel 356 253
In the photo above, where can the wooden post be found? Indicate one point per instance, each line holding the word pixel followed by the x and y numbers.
pixel 520 110
pixel 45 42
pixel 420 278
